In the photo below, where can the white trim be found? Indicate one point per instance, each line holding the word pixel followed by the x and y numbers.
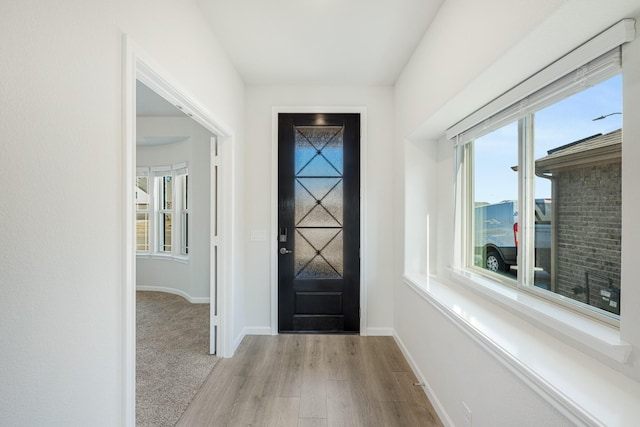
pixel 180 168
pixel 160 171
pixel 224 242
pixel 128 237
pixel 167 290
pixel 257 330
pixel 428 390
pixel 274 202
pixel 138 66
pixel 169 257
pixel 568 325
pixel 152 75
pixel 238 340
pixel 622 32
pixel 380 332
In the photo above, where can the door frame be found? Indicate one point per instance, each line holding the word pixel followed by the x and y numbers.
pixel 274 202
pixel 137 65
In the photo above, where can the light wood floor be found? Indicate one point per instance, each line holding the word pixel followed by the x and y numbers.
pixel 312 380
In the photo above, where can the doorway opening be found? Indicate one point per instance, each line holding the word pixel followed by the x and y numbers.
pixel 138 68
pixel 173 219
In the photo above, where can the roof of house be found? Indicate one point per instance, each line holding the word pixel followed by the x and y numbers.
pixel 596 149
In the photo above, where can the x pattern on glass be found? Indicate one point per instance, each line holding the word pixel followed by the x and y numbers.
pixel 319 146
pixel 319 173
pixel 318 202
pixel 312 262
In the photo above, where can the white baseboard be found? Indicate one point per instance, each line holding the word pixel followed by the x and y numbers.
pixel 238 340
pixel 257 330
pixel 192 300
pixel 442 413
pixel 380 332
pixel 250 330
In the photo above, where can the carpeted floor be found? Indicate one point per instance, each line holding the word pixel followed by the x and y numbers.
pixel 172 356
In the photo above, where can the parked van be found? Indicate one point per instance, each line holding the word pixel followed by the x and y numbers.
pixel 495 235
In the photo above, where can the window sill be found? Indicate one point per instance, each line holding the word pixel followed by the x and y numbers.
pixel 180 259
pixel 559 321
pixel 564 365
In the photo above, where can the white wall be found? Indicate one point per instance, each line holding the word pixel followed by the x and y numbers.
pixel 190 279
pixel 61 211
pixel 377 199
pixel 485 55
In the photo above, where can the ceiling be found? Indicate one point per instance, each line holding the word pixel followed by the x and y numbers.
pixel 319 42
pixel 150 104
pixel 310 42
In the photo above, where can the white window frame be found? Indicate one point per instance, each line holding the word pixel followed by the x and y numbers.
pixel 526 261
pixel 183 207
pixel 516 105
pixel 179 215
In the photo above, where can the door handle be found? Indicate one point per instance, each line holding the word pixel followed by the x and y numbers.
pixel 284 251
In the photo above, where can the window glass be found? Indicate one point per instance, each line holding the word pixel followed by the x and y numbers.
pixel 165 206
pixel 184 249
pixel 166 193
pixel 495 200
pixel 142 193
pixel 142 213
pixel 142 231
pixel 574 199
pixel 184 214
pixel 578 151
pixel 164 232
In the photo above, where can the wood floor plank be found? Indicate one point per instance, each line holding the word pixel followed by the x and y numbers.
pixel 415 396
pixel 214 388
pixel 381 385
pixel 332 357
pixel 290 371
pixel 399 414
pixel 347 405
pixel 251 402
pixel 340 408
pixel 313 407
pixel 409 391
pixel 391 353
pixel 312 380
pixel 265 356
pixel 282 412
pixel 203 414
pixel 312 422
pixel 313 391
pixel 353 359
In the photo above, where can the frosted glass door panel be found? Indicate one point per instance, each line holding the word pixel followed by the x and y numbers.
pixel 319 198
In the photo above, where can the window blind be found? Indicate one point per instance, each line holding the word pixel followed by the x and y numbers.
pixel 545 88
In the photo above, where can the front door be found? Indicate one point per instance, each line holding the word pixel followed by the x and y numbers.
pixel 319 223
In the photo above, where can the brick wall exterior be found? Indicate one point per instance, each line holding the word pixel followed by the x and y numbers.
pixel 589 202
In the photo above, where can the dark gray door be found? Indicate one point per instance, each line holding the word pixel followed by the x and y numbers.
pixel 319 223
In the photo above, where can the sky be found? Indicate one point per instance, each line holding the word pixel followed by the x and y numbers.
pixel 561 123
